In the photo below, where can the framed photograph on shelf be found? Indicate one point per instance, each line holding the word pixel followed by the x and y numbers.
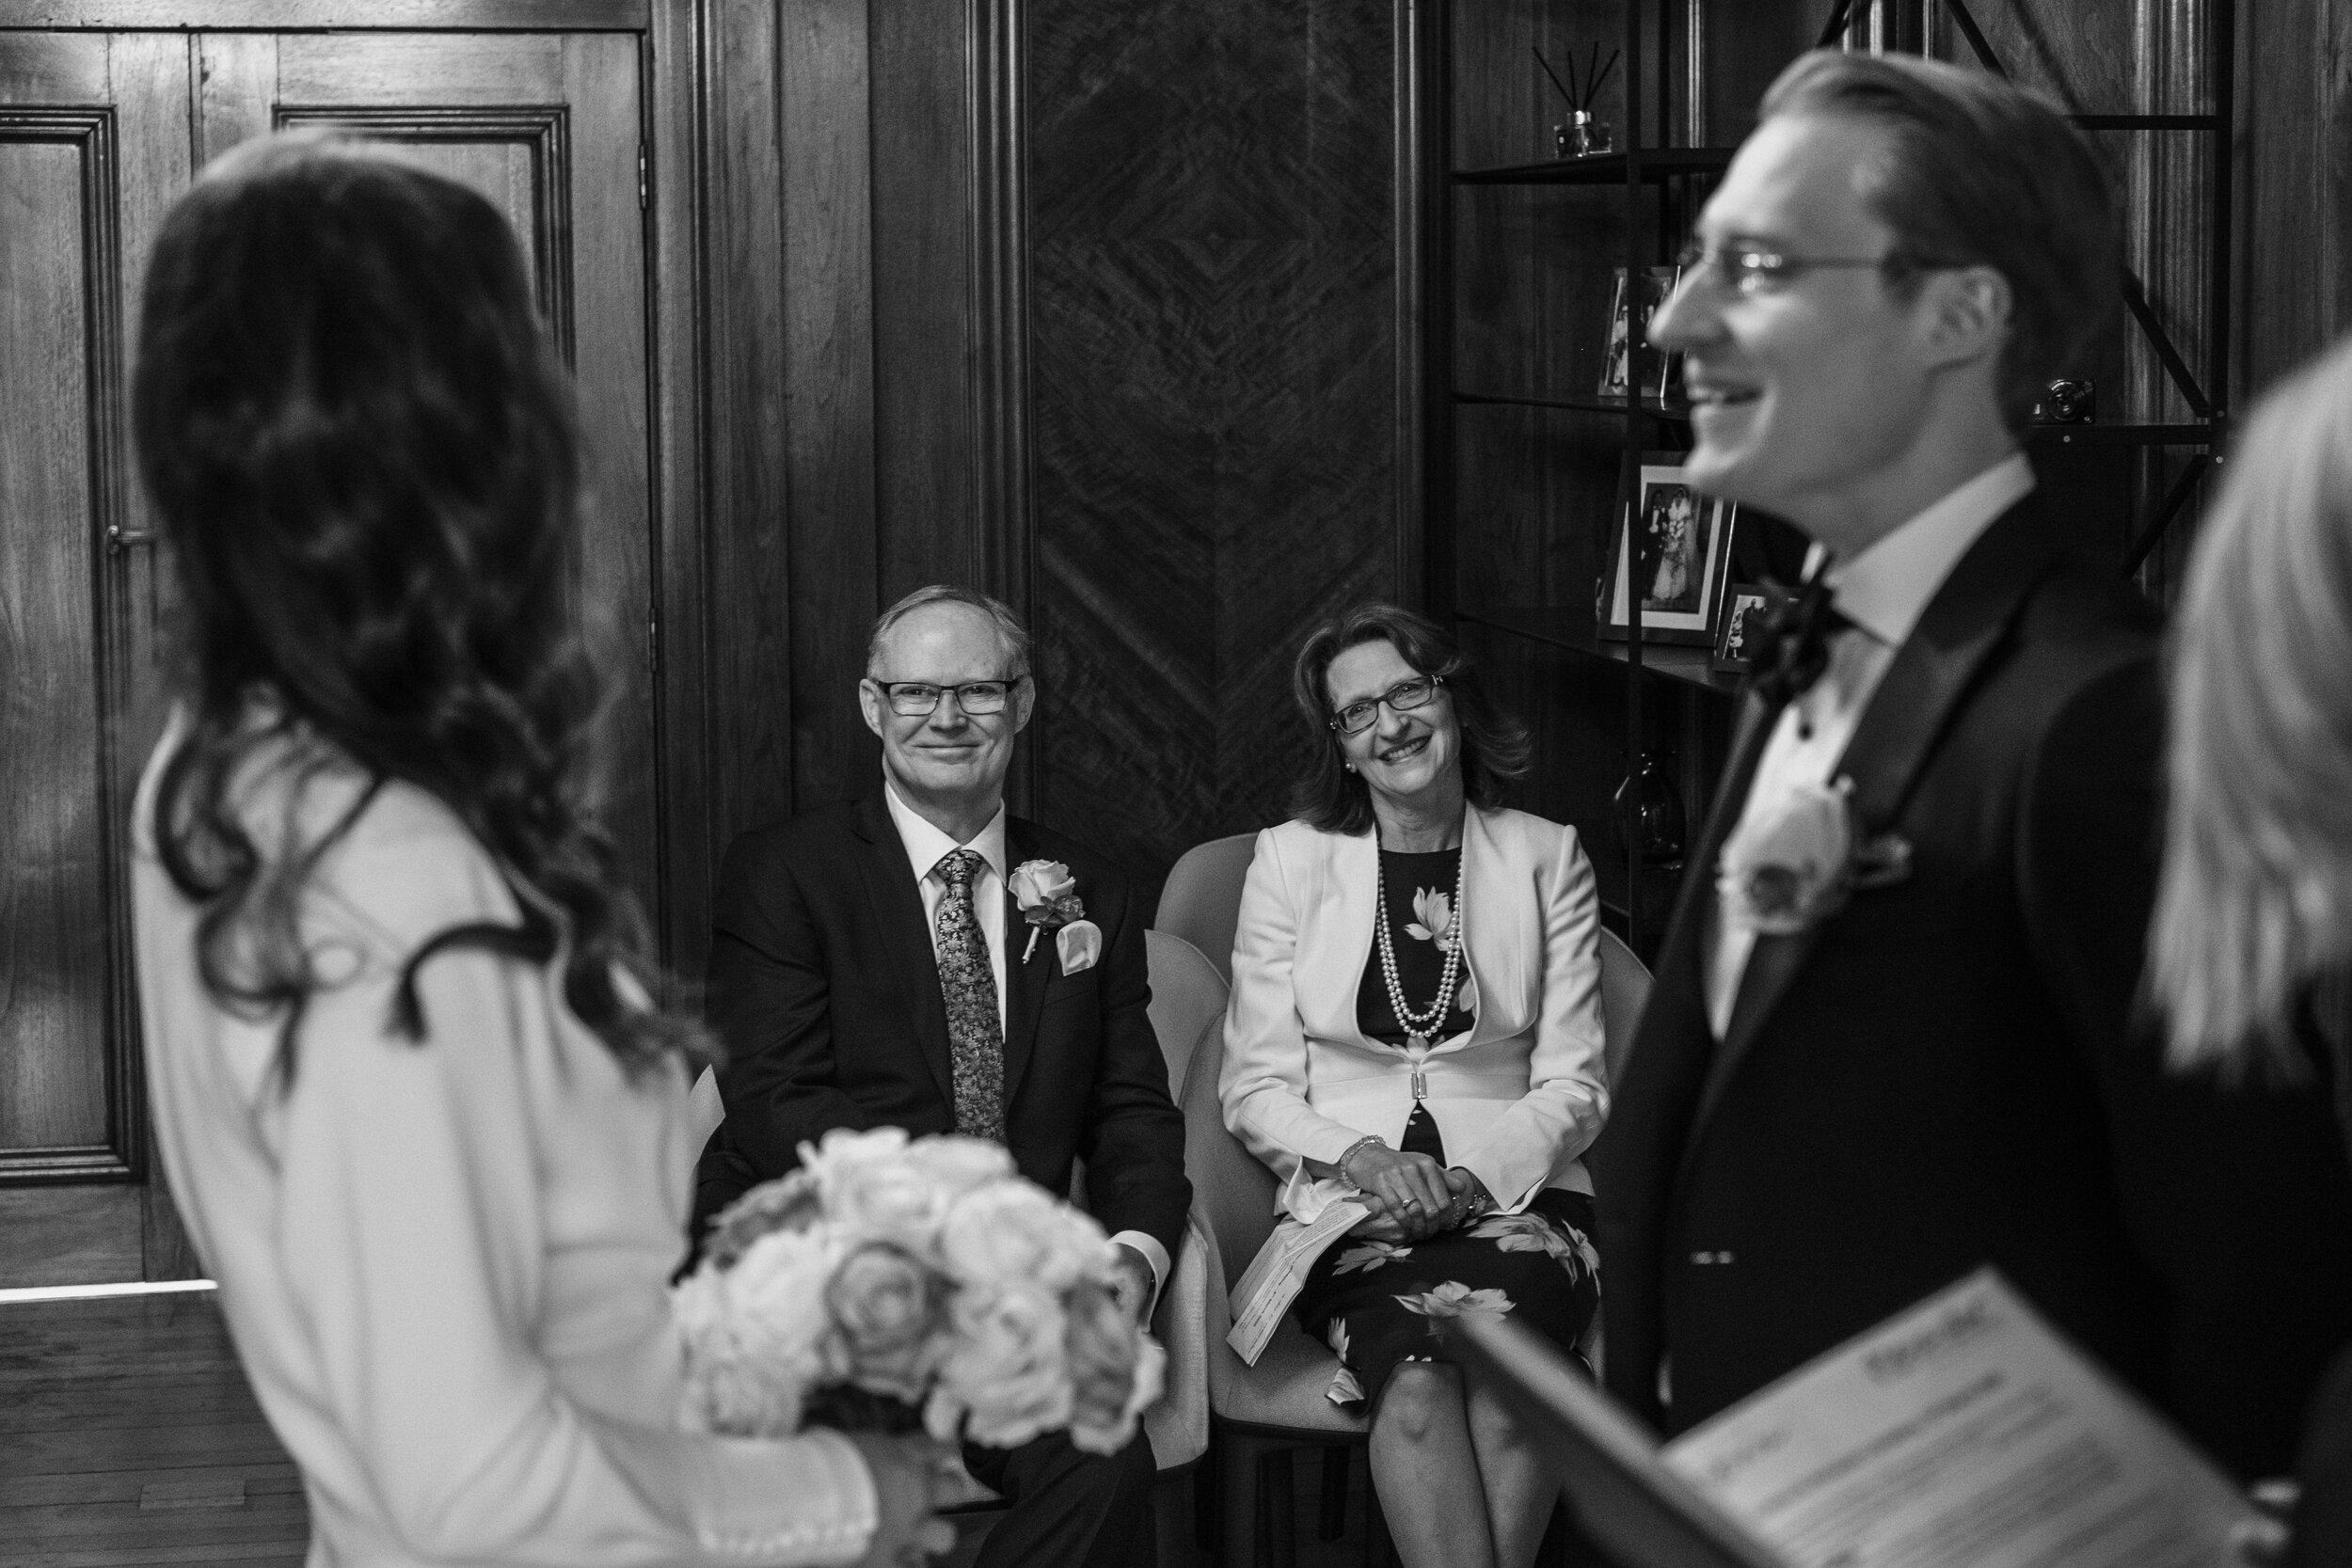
pixel 1744 607
pixel 1657 283
pixel 1686 550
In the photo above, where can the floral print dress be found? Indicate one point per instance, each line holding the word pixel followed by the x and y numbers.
pixel 1378 1303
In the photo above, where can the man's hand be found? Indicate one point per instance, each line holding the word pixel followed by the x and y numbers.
pixel 1136 1282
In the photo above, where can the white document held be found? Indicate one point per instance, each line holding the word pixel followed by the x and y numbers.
pixel 1271 1283
pixel 1962 1434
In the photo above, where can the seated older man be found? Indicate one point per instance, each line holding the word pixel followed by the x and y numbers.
pixel 872 966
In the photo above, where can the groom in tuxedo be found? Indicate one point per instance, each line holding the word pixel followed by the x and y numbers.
pixel 1893 1035
pixel 873 966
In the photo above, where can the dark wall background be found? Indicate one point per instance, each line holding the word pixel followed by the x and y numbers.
pixel 1213 378
pixel 1105 307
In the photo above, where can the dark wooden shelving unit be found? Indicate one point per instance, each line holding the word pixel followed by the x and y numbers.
pixel 1488 355
pixel 1604 168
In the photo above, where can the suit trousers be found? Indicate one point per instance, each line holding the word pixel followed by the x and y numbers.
pixel 1070 1509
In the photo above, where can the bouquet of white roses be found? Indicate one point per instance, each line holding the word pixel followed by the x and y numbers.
pixel 889 1283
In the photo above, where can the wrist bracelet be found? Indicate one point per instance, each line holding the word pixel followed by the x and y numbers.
pixel 1370 1140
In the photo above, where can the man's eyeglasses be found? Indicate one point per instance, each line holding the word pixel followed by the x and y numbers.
pixel 1752 270
pixel 919 699
pixel 1356 717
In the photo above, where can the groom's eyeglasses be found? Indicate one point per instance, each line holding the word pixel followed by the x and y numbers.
pixel 917 700
pixel 1356 717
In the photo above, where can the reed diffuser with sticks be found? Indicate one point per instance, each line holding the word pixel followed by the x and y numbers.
pixel 1583 133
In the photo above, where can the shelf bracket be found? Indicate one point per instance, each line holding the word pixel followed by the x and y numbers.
pixel 2165 511
pixel 2136 301
pixel 1975 35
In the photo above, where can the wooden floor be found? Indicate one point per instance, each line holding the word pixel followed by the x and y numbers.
pixel 128 1435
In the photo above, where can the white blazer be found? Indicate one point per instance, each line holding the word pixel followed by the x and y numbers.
pixel 1518 1098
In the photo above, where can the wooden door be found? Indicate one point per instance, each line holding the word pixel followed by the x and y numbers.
pixel 547 126
pixel 93 146
pixel 98 133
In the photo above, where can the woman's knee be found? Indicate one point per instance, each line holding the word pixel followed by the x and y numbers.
pixel 1420 1395
pixel 1492 1422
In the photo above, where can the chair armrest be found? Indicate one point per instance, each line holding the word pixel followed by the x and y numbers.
pixel 1179 1423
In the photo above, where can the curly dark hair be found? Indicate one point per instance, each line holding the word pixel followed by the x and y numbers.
pixel 1495 746
pixel 363 451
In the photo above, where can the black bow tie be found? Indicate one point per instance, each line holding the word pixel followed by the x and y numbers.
pixel 1792 645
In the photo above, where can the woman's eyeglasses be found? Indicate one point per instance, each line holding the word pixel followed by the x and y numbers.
pixel 1356 717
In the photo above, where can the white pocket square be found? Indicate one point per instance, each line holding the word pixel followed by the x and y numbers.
pixel 1080 943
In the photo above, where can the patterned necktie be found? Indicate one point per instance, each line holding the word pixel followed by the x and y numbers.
pixel 976 1033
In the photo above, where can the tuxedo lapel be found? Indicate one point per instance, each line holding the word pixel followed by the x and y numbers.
pixel 1911 708
pixel 896 905
pixel 1025 982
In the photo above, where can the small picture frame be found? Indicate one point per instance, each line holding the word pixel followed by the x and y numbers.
pixel 1657 285
pixel 1744 603
pixel 1686 553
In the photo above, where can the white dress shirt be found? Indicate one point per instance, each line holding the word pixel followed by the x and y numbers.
pixel 1883 591
pixel 926 847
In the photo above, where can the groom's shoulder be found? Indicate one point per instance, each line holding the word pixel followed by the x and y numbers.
pixel 2084 628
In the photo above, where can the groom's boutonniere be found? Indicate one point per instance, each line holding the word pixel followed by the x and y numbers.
pixel 1795 865
pixel 1048 897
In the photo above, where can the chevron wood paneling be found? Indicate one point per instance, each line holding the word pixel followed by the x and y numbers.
pixel 1214 382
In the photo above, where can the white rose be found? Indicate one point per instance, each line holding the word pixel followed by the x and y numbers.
pixel 960 1165
pixel 758 1336
pixel 1789 868
pixel 1115 1370
pixel 1041 882
pixel 1006 1378
pixel 1015 1232
pixel 873 1185
pixel 789 1203
pixel 889 1310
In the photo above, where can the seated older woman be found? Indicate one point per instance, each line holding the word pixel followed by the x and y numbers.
pixel 1415 1026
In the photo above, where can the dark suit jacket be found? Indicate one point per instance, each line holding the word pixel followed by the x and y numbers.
pixel 824 991
pixel 1949 1071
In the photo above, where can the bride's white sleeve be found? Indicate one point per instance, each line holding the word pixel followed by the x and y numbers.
pixel 413 1228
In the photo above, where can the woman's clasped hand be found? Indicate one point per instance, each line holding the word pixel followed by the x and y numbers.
pixel 1411 1196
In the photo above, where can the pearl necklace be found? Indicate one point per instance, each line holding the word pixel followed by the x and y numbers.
pixel 1417 1025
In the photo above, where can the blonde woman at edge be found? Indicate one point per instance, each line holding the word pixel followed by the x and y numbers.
pixel 1416 1021
pixel 426 1129
pixel 2251 946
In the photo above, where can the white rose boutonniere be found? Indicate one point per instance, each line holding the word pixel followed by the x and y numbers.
pixel 1789 868
pixel 1795 867
pixel 1048 897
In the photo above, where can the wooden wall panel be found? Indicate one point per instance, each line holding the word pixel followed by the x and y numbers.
pixel 1213 330
pixel 924 434
pixel 829 406
pixel 839 276
pixel 2295 184
pixel 746 589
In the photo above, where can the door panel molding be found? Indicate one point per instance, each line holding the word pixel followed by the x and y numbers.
pixel 543 130
pixel 118 1154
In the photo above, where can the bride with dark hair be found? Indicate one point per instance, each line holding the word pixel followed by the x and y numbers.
pixel 426 1124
